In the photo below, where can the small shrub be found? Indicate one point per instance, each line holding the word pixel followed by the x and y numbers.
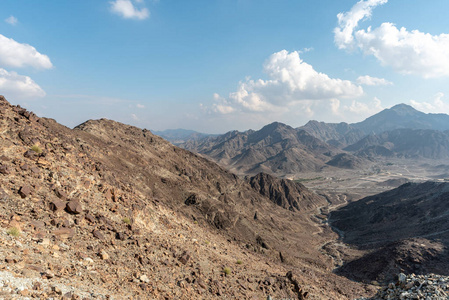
pixel 127 220
pixel 14 231
pixel 36 149
pixel 227 271
pixel 207 242
pixel 239 262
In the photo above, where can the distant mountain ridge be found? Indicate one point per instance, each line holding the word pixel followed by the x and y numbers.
pixel 276 148
pixel 400 116
pixel 400 131
pixel 178 136
pixel 408 143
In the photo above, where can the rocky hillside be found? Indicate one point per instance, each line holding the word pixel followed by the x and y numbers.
pixel 408 143
pixel 402 116
pixel 276 149
pixel 346 161
pixel 107 210
pixel 286 193
pixel 336 134
pixel 405 230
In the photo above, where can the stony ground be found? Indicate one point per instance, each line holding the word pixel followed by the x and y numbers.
pixel 112 211
pixel 428 287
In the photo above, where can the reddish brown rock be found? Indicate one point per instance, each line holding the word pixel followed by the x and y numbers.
pixel 64 233
pixel 25 191
pixel 57 205
pixel 74 207
pixel 4 170
pixel 61 194
pixel 90 218
pixel 98 234
pixel 184 258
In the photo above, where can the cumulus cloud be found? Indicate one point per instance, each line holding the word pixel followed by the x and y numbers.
pixel 436 105
pixel 371 81
pixel 221 105
pixel 348 22
pixel 364 109
pixel 407 52
pixel 14 54
pixel 16 86
pixel 126 9
pixel 11 20
pixel 138 105
pixel 291 80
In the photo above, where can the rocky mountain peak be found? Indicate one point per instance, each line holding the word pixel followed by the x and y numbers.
pixel 404 109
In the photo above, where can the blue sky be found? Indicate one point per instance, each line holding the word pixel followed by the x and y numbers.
pixel 220 65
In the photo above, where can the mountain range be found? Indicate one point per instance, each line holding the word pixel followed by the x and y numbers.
pixel 179 136
pixel 400 131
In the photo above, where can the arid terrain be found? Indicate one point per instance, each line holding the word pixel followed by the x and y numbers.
pixel 110 210
pixel 107 210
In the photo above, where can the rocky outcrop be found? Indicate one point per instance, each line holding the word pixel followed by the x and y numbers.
pixel 429 286
pixel 286 193
pixel 346 161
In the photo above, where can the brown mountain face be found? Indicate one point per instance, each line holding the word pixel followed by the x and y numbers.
pixel 408 143
pixel 346 161
pixel 107 209
pixel 405 229
pixel 286 193
pixel 276 149
pixel 336 134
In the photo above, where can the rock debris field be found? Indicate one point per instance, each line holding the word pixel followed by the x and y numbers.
pixel 413 286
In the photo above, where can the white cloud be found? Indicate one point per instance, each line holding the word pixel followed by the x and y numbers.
pixel 348 21
pixel 365 109
pixel 407 52
pixel 127 10
pixel 15 86
pixel 436 105
pixel 14 54
pixel 368 80
pixel 140 105
pixel 11 20
pixel 221 105
pixel 291 81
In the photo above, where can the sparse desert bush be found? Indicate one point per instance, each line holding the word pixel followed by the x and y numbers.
pixel 126 220
pixel 36 149
pixel 227 271
pixel 239 262
pixel 13 231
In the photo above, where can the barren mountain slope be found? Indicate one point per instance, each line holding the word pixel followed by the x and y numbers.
pixel 405 230
pixel 286 193
pixel 336 134
pixel 276 149
pixel 409 143
pixel 110 209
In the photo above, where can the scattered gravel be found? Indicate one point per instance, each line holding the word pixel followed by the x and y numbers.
pixel 413 286
pixel 17 287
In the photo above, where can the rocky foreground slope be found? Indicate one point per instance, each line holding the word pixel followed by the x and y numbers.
pixel 107 210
